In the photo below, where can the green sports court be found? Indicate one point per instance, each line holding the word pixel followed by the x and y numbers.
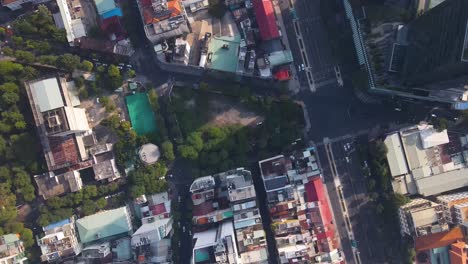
pixel 141 114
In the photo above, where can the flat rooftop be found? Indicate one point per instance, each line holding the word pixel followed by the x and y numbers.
pixel 225 52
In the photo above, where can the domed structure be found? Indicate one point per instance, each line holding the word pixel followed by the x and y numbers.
pixel 149 153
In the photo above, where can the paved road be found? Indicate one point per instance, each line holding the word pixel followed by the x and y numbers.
pixel 179 178
pixel 335 111
pixel 357 207
pixel 309 42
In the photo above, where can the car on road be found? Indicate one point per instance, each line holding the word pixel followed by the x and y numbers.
pixel 179 198
pixel 183 229
pixel 348 160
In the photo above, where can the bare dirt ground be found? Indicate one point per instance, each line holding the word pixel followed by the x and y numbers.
pixel 23 212
pixel 224 113
pixel 96 112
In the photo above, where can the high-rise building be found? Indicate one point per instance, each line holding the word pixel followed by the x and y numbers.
pixel 437 44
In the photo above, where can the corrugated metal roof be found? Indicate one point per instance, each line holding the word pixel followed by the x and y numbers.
pixel 103 6
pixel 280 58
pixel 442 182
pixel 395 156
pixel 113 12
pixel 104 224
pixel 47 94
pixel 266 19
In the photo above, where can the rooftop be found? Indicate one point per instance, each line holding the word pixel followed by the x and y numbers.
pixel 149 153
pixel 276 166
pixel 203 183
pixel 10 246
pixel 453 196
pixel 224 52
pixel 50 185
pixel 266 19
pixel 395 155
pixel 438 240
pixel 47 94
pixel 435 160
pixel 60 241
pixel 104 225
pixel 152 231
pixel 104 6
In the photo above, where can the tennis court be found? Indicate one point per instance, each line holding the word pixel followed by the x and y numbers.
pixel 141 114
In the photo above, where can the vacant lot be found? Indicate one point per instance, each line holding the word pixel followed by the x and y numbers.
pixel 195 110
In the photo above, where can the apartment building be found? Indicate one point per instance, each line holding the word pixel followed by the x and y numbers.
pixel 12 250
pixel 225 204
pixel 59 242
pixel 301 218
pixel 421 217
pixel 454 215
pixel 163 19
pixel 151 242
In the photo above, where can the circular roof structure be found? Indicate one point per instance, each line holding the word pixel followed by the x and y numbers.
pixel 149 153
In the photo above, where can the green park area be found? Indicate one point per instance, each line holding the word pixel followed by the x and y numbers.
pixel 220 129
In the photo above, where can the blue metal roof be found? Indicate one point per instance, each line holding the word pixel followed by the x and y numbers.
pixel 114 12
pixel 56 224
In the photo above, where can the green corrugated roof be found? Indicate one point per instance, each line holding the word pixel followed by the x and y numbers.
pixel 224 59
pixel 280 57
pixel 103 225
pixel 201 255
pixel 10 238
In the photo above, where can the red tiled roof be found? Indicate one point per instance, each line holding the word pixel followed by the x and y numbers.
pixel 203 208
pixel 95 44
pixel 438 240
pixel 314 190
pixel 112 25
pixel 150 16
pixel 266 19
pixel 282 75
pixel 157 209
pixel 315 193
pixel 64 150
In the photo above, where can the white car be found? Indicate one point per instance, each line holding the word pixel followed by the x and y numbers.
pixel 183 229
pixel 347 159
